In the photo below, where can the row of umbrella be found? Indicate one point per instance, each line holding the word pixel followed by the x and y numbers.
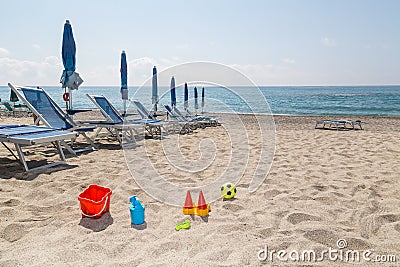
pixel 186 96
pixel 71 80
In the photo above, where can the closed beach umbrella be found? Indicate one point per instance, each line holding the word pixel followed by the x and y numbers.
pixel 196 97
pixel 13 96
pixel 173 94
pixel 69 78
pixel 186 97
pixel 154 91
pixel 124 79
pixel 202 100
pixel 68 51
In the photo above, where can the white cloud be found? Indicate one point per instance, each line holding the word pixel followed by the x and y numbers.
pixel 288 61
pixel 25 72
pixel 139 71
pixel 36 46
pixel 48 71
pixel 4 52
pixel 328 42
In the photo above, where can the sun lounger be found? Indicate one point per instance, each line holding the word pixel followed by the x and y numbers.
pixel 175 114
pixel 48 112
pixel 23 135
pixel 170 126
pixel 338 124
pixel 213 121
pixel 13 108
pixel 123 130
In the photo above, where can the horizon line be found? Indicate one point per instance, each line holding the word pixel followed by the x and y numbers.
pixel 302 85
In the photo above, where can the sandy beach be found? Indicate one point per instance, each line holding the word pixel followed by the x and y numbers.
pixel 323 186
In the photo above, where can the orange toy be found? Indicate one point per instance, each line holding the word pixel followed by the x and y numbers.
pixel 189 206
pixel 201 209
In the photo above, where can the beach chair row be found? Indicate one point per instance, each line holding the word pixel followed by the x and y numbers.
pixel 61 127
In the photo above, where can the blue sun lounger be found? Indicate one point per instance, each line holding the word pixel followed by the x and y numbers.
pixel 213 121
pixel 172 126
pixel 116 123
pixel 48 112
pixel 191 124
pixel 23 135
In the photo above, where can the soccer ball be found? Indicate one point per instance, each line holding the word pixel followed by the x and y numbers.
pixel 228 191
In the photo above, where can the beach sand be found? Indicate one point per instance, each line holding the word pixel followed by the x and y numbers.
pixel 324 185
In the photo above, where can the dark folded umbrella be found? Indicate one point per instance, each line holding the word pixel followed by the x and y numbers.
pixel 196 97
pixel 173 94
pixel 186 97
pixel 13 96
pixel 154 89
pixel 202 100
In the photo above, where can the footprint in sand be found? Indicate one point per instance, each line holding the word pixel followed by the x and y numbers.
pixel 397 227
pixel 167 247
pixel 357 188
pixel 221 255
pixel 10 203
pixel 232 207
pixel 357 244
pixel 321 236
pixel 265 233
pixel 320 187
pixel 373 223
pixel 13 232
pixel 272 193
pixel 330 239
pixel 296 218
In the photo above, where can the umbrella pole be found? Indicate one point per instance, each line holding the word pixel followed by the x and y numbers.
pixel 70 100
pixel 124 108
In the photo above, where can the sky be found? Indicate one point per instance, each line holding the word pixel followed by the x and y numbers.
pixel 282 42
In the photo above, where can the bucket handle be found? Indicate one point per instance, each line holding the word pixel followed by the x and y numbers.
pixel 91 216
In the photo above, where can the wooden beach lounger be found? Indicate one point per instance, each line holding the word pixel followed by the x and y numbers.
pixel 338 124
pixel 23 135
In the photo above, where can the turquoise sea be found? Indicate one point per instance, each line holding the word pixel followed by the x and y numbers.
pixel 291 100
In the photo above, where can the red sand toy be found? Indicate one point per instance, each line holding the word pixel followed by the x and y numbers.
pixel 94 201
pixel 201 209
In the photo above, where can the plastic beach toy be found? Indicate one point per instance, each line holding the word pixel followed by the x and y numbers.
pixel 190 208
pixel 228 190
pixel 94 201
pixel 183 225
pixel 137 210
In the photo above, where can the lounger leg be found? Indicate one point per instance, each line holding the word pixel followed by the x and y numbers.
pixel 21 156
pixel 70 150
pixel 89 140
pixel 98 132
pixel 12 153
pixel 60 151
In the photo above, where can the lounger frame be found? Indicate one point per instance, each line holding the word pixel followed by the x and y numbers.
pixel 32 137
pixel 339 124
pixel 40 117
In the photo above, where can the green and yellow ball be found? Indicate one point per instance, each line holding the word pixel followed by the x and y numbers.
pixel 228 191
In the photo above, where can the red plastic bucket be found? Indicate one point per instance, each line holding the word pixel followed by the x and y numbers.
pixel 94 201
